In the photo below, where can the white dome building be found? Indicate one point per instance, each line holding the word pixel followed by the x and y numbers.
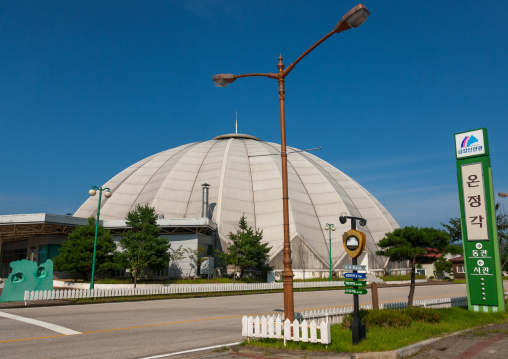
pixel 244 174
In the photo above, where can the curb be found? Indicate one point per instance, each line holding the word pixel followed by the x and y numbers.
pixel 404 352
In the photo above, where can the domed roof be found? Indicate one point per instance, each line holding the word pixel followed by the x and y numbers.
pixel 244 174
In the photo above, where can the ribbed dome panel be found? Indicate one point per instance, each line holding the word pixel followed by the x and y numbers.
pixel 244 175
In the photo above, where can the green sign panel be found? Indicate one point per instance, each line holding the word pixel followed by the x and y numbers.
pixel 359 291
pixel 351 283
pixel 478 219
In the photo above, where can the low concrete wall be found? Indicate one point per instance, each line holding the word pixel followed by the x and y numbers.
pixel 73 285
pixel 404 281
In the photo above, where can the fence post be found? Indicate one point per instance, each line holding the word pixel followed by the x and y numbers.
pixel 313 332
pixel 264 333
pixel 305 331
pixel 271 327
pixel 250 328
pixel 244 326
pixel 375 298
pixel 325 332
pixel 287 329
pixel 296 330
pixel 257 331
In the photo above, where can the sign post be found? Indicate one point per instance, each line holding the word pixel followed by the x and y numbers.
pixel 478 219
pixel 354 244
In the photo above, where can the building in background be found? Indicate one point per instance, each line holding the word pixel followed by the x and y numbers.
pixel 243 177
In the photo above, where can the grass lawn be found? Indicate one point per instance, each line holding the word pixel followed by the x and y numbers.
pixel 383 339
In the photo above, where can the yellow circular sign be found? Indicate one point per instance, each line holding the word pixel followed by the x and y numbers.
pixel 354 242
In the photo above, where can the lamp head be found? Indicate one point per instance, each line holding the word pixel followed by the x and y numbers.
pixel 342 219
pixel 327 228
pixel 353 18
pixel 222 80
pixel 107 194
pixel 92 192
pixel 363 222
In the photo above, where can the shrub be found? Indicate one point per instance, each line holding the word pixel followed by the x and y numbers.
pixel 394 318
pixel 425 315
pixel 387 318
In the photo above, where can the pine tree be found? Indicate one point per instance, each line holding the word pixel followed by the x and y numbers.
pixel 246 251
pixel 76 253
pixel 142 247
pixel 411 244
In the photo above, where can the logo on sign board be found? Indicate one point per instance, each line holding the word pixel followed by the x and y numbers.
pixel 469 143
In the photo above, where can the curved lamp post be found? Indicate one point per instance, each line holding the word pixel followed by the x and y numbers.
pixel 354 18
pixel 330 227
pixel 92 193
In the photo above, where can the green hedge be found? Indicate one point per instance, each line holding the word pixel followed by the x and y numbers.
pixel 393 317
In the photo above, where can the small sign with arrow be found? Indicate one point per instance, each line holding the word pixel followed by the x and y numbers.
pixel 355 275
pixel 355 267
pixel 355 284
pixel 358 291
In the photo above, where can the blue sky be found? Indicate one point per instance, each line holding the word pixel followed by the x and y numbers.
pixel 88 88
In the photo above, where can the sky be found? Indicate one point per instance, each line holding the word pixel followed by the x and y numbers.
pixel 87 88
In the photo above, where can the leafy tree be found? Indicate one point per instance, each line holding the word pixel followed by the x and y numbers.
pixel 196 258
pixel 502 234
pixel 177 255
pixel 411 244
pixel 455 230
pixel 246 251
pixel 142 246
pixel 443 265
pixel 76 253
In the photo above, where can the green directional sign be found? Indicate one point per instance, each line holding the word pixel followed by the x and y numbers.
pixel 359 291
pixel 350 283
pixel 478 219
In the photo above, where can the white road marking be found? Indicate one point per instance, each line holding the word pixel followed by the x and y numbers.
pixel 190 351
pixel 53 327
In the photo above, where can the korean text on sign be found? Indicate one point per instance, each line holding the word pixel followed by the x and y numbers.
pixel 474 202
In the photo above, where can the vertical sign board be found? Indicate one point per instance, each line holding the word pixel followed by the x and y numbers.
pixel 478 219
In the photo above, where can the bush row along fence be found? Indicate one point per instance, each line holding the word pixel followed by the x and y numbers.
pixel 273 327
pixel 168 289
pixel 335 315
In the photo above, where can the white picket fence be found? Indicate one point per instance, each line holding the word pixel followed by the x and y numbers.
pixel 273 327
pixel 168 289
pixel 335 315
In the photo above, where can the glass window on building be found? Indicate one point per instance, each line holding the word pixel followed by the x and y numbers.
pixel 460 269
pixel 163 273
pixel 48 251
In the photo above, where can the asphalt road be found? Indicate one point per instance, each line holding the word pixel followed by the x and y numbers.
pixel 152 328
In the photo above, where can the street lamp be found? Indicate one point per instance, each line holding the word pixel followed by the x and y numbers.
pixel 353 18
pixel 92 193
pixel 330 228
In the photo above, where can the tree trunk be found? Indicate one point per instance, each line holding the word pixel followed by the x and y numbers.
pixel 134 277
pixel 413 284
